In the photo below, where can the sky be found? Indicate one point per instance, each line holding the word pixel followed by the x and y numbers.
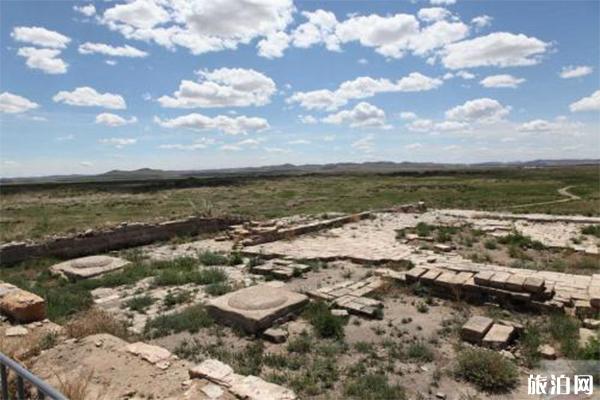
pixel 87 87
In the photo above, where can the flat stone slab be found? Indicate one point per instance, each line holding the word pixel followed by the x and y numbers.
pixel 23 306
pixel 215 371
pixel 16 331
pixel 476 328
pixel 88 267
pixel 257 307
pixel 148 352
pixel 498 336
pixel 254 388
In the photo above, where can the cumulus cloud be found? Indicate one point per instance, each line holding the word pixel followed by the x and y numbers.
pixel 501 81
pixel 483 110
pixel 537 125
pixel 560 125
pixel 40 37
pixel 88 97
pixel 433 14
pixel 499 49
pixel 482 21
pixel 224 87
pixel 14 104
pixel 363 115
pixel 573 71
pixel 118 143
pixel 198 144
pixel 88 10
pixel 427 125
pixel 361 88
pixel 200 26
pixel 420 125
pixel 114 120
pixel 442 2
pixel 590 103
pixel 307 119
pixel 408 115
pixel 364 144
pixel 112 51
pixel 46 60
pixel 274 45
pixel 228 125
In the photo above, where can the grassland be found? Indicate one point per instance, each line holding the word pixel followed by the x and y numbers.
pixel 35 211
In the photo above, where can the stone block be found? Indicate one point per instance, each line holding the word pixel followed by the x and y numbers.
pixel 414 274
pixel 152 354
pixel 214 371
pixel 339 313
pixel 498 280
pixel 547 352
pixel 445 280
pixel 88 267
pixel 499 336
pixel 591 323
pixel 533 284
pixel 13 331
pixel 476 328
pixel 254 388
pixel 583 308
pixel 23 306
pixel 429 276
pixel 483 278
pixel 515 283
pixel 443 247
pixel 275 335
pixel 283 273
pixel 257 307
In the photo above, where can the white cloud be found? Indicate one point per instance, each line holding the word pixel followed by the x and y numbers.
pixel 43 59
pixel 198 144
pixel 479 110
pixel 420 125
pixel 363 61
pixel 224 87
pixel 320 28
pixel 276 150
pixel 118 143
pixel 40 37
pixel 408 115
pixel 274 45
pixel 537 125
pixel 360 88
pixel 501 81
pixel 364 144
pixel 590 103
pixel 451 126
pixel 433 14
pixel 229 125
pixel 499 49
pixel 66 138
pixel 561 125
pixel 413 146
pixel 482 21
pixel 299 141
pixel 573 71
pixel 114 120
pixel 88 97
pixel 363 115
pixel 200 26
pixel 442 2
pixel 112 63
pixel 112 51
pixel 14 104
pixel 86 164
pixel 88 10
pixel 328 138
pixel 465 75
pixel 307 119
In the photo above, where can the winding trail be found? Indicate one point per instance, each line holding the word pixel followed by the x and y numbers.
pixel 562 191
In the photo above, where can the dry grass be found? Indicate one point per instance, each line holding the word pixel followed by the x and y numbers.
pixel 94 321
pixel 78 387
pixel 25 347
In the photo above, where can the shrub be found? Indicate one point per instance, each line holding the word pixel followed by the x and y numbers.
pixel 218 289
pixel 204 276
pixel 175 298
pixel 565 330
pixel 519 240
pixel 490 244
pixel 423 229
pixel 235 259
pixel 211 258
pixel 190 319
pixel 488 370
pixel 326 325
pixel 373 387
pixel 530 342
pixel 140 303
pixel 95 321
pixel 301 344
pixel 419 351
pixel 591 230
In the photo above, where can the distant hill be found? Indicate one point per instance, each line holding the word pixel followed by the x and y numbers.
pixel 289 169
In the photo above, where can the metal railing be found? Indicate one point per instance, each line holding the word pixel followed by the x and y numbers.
pixel 43 389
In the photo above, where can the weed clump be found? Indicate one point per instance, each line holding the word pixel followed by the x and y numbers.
pixel 488 370
pixel 326 325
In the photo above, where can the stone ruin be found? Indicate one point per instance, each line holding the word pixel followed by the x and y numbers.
pixel 88 267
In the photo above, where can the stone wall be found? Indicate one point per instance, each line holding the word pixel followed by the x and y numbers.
pixel 123 236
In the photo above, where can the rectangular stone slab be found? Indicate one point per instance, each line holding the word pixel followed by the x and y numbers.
pixel 88 267
pixel 515 283
pixel 414 274
pixel 499 336
pixel 498 280
pixel 476 328
pixel 256 308
pixel 533 284
pixel 483 278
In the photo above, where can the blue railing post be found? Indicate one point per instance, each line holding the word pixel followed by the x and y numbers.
pixel 43 389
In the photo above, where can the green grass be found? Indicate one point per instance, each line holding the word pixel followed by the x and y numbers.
pixel 591 230
pixel 565 330
pixel 191 319
pixel 488 370
pixel 140 303
pixel 37 211
pixel 203 276
pixel 517 240
pixel 419 351
pixel 325 324
pixel 212 258
pixel 373 387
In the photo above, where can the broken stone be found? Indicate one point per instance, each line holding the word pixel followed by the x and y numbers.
pixel 87 267
pixel 283 273
pixel 212 391
pixel 476 328
pixel 254 388
pixel 148 352
pixel 430 275
pixel 16 331
pixel 23 306
pixel 443 247
pixel 483 278
pixel 440 395
pixel 498 336
pixel 257 307
pixel 507 354
pixel 215 371
pixel 547 352
pixel 498 280
pixel 591 323
pixel 275 335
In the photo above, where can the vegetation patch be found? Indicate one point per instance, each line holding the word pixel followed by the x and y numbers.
pixel 325 324
pixel 488 370
pixel 593 230
pixel 373 387
pixel 190 319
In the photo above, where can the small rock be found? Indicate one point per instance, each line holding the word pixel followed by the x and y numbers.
pixel 591 323
pixel 339 313
pixel 16 331
pixel 163 365
pixel 507 354
pixel 275 335
pixel 440 395
pixel 98 343
pixel 547 352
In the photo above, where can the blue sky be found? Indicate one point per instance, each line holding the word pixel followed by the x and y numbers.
pixel 91 86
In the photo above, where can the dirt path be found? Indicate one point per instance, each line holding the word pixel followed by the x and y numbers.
pixel 562 191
